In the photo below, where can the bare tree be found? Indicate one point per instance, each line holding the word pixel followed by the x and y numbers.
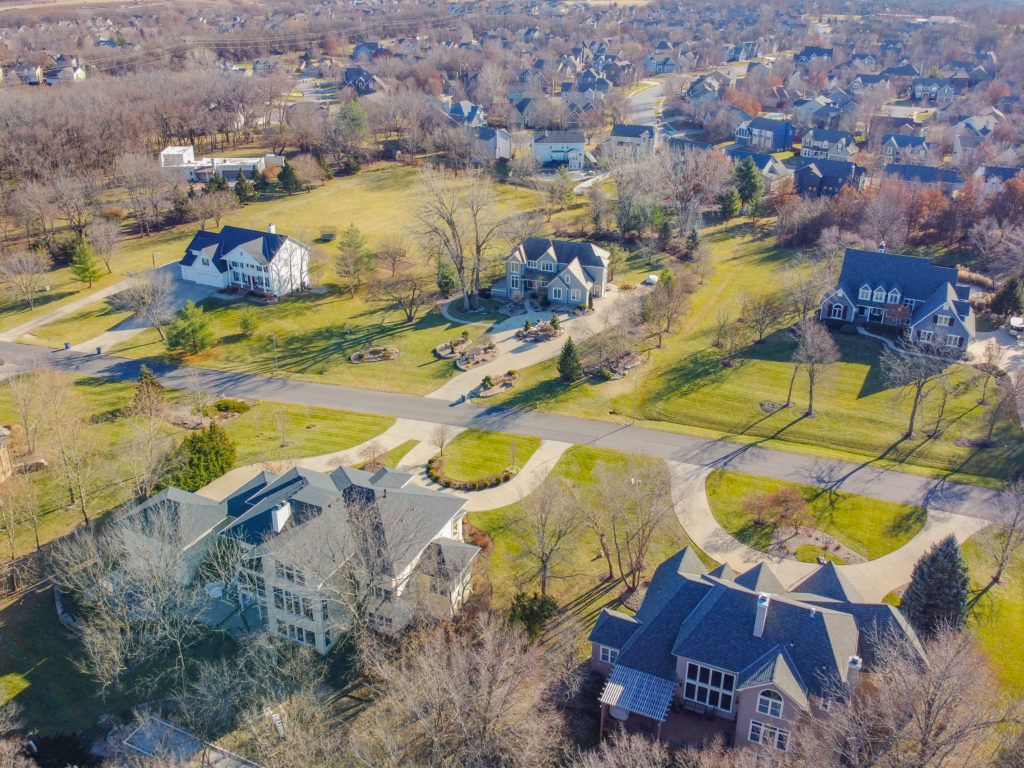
pixel 548 524
pixel 392 253
pixel 215 205
pixel 639 500
pixel 148 453
pixel 71 444
pixel 24 273
pixel 407 293
pixel 373 455
pixel 661 309
pixel 763 312
pixel 908 366
pixel 815 351
pixel 439 437
pixel 27 392
pixel 11 754
pixel 146 187
pixel 103 235
pixel 992 355
pixel 806 282
pixel 626 750
pixel 151 296
pixel 1001 542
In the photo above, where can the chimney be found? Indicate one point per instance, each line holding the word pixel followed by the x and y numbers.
pixel 279 515
pixel 271 229
pixel 853 670
pixel 763 601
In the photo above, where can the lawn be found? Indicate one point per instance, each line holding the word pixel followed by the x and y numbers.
pixel 581 593
pixel 870 527
pixel 87 323
pixel 684 387
pixel 397 453
pixel 474 454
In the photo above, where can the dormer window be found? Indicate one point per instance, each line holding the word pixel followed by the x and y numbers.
pixel 865 292
pixel 879 295
pixel 894 296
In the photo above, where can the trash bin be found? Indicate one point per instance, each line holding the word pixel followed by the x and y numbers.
pixel 67 345
pixel 99 351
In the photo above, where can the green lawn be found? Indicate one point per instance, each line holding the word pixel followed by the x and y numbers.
pixel 684 387
pixel 870 527
pixel 87 323
pixel 489 315
pixel 474 454
pixel 810 554
pixel 397 453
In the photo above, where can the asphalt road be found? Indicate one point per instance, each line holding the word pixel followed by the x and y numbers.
pixel 866 480
pixel 641 104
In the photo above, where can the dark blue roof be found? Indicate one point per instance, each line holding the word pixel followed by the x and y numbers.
pixel 832 137
pixel 904 141
pixel 922 174
pixel 915 277
pixel 613 629
pixel 632 131
pixel 262 246
pixel 768 124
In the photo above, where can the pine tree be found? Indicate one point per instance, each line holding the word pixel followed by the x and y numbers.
pixel 260 182
pixel 1010 298
pixel 84 265
pixel 202 457
pixel 215 184
pixel 289 179
pixel 692 243
pixel 569 365
pixel 937 595
pixel 149 393
pixel 730 204
pixel 749 183
pixel 556 324
pixel 190 332
pixel 245 191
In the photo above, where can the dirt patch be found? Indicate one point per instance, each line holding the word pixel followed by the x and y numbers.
pixel 964 442
pixel 787 539
pixel 374 355
pixel 770 406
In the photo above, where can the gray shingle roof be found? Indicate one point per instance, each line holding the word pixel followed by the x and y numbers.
pixel 760 578
pixel 775 667
pixel 612 629
pixel 829 582
pixel 632 131
pixel 261 246
pixel 916 278
pixel 191 516
pixel 559 137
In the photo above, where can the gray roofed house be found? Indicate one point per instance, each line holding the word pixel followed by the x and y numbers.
pixel 944 178
pixel 566 272
pixel 902 291
pixel 640 138
pixel 904 149
pixel 248 259
pixel 747 656
pixel 828 145
pixel 559 148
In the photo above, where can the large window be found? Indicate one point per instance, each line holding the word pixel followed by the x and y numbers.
pixel 768 735
pixel 514 284
pixel 514 267
pixel 299 634
pixel 865 293
pixel 838 311
pixel 291 603
pixel 574 295
pixel 924 337
pixel 769 703
pixel 609 655
pixel 289 572
pixel 954 341
pixel 709 686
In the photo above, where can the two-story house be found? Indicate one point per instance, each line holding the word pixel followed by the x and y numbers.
pixel 251 260
pixel 766 134
pixel 902 291
pixel 774 172
pixel 905 150
pixel 640 138
pixel 828 145
pixel 491 145
pixel 559 148
pixel 563 271
pixel 826 178
pixel 736 655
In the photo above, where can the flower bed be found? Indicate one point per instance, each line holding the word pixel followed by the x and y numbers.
pixel 450 349
pixel 539 332
pixel 476 356
pixel 498 385
pixel 435 471
pixel 374 355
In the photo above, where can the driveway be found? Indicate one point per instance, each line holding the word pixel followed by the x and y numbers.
pixel 642 103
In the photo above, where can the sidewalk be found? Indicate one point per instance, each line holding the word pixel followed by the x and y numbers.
pixel 62 311
pixel 874 579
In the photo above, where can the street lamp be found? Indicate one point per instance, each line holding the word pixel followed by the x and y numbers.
pixel 274 339
pixel 634 398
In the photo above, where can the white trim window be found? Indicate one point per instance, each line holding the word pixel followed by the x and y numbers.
pixel 574 294
pixel 205 261
pixel 531 264
pixel 513 268
pixel 953 340
pixel 894 296
pixel 547 266
pixel 514 283
pixel 556 294
pixel 878 296
pixel 865 293
pixel 768 735
pixel 769 703
pixel 609 655
pixel 709 686
pixel 925 336
pixel 838 311
pixel 944 321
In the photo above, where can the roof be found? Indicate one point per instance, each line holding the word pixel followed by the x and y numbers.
pixel 922 174
pixel 914 277
pixel 776 667
pixel 260 246
pixel 832 137
pixel 632 131
pixel 564 251
pixel 768 124
pixel 559 137
pixel 903 141
pixel 829 582
pixel 638 692
pixel 760 578
pixel 612 629
pixel 191 516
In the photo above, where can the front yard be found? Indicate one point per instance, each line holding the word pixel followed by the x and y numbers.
pixel 474 454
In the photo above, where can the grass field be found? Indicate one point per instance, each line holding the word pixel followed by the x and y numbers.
pixel 87 323
pixel 397 453
pixel 474 454
pixel 684 386
pixel 870 527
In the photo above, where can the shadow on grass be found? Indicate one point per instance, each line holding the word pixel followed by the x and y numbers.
pixel 42 300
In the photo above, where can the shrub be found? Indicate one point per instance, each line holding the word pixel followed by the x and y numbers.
pixel 202 457
pixel 226 405
pixel 605 374
pixel 248 321
pixel 527 325
pixel 465 335
pixel 488 382
pixel 556 324
pixel 512 372
pixel 532 612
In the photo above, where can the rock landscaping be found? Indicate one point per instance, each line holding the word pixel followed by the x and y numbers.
pixel 451 349
pixel 492 385
pixel 374 355
pixel 542 331
pixel 435 471
pixel 477 355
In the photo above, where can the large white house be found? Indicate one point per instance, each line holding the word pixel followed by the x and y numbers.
pixel 179 162
pixel 247 258
pixel 559 148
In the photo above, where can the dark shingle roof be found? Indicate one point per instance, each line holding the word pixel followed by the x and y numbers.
pixel 920 174
pixel 915 277
pixel 612 629
pixel 261 246
pixel 559 137
pixel 829 582
pixel 565 251
pixel 189 515
pixel 760 578
pixel 632 131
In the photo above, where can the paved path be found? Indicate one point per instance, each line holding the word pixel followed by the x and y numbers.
pixel 864 479
pixel 62 311
pixel 874 579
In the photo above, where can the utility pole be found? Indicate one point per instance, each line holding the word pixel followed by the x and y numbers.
pixel 634 398
pixel 274 339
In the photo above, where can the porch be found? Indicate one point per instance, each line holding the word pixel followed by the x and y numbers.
pixel 680 729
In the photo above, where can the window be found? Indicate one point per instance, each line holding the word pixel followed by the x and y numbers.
pixel 514 283
pixel 925 336
pixel 205 261
pixel 709 686
pixel 235 276
pixel 531 264
pixel 879 295
pixel 838 312
pixel 954 341
pixel 909 303
pixel 943 321
pixel 556 294
pixel 382 594
pixel 825 704
pixel 513 268
pixel 768 735
pixel 548 266
pixel 292 603
pixel 289 572
pixel 865 293
pixel 769 703
pixel 894 296
pixel 574 295
pixel 609 655
pixel 379 619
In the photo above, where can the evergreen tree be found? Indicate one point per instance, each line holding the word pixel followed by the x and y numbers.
pixel 532 612
pixel 749 183
pixel 730 204
pixel 322 162
pixel 354 262
pixel 202 457
pixel 215 184
pixel 556 324
pixel 692 242
pixel 289 179
pixel 569 365
pixel 245 191
pixel 446 278
pixel 149 393
pixel 260 182
pixel 937 595
pixel 84 265
pixel 1010 298
pixel 190 332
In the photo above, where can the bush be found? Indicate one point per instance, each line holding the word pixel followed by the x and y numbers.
pixel 226 405
pixel 248 321
pixel 202 457
pixel 532 612
pixel 605 374
pixel 488 382
pixel 512 372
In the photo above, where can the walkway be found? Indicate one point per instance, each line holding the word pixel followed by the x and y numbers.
pixel 62 311
pixel 874 579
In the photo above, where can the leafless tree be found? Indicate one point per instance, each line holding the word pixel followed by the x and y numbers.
pixel 914 368
pixel 24 273
pixel 666 303
pixel 151 296
pixel 28 395
pixel 75 196
pixel 1001 542
pixel 308 171
pixel 548 524
pixel 806 282
pixel 407 292
pixel 70 443
pixel 992 355
pixel 625 750
pixel 215 205
pixel 815 351
pixel 440 434
pixel 11 753
pixel 763 312
pixel 103 235
pixel 148 452
pixel 373 455
pixel 392 253
pixel 145 185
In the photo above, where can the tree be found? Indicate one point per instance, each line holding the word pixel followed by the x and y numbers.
pixel 151 296
pixel 202 457
pixel 245 191
pixel 248 321
pixel 729 204
pixel 190 331
pixel 392 253
pixel 103 235
pixel 70 443
pixel 763 312
pixel 146 187
pixel 28 392
pixel 938 592
pixel 354 262
pixel 569 366
pixel 666 303
pixel 11 753
pixel 439 437
pixel 1009 300
pixel 533 612
pixel 630 750
pixel 907 365
pixel 215 205
pixel 405 292
pixel 547 525
pixel 260 182
pixel 749 182
pixel 24 273
pixel 149 398
pixel 289 179
pixel 692 243
pixel 992 355
pixel 83 263
pixel 815 351
pixel 1000 543
pixel 446 280
pixel 638 497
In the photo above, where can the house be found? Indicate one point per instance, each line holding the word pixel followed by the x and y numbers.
pixel 898 148
pixel 265 262
pixel 828 145
pixel 993 177
pixel 491 145
pixel 360 80
pixel 27 74
pixel 263 67
pixel 881 125
pixel 736 655
pixel 811 54
pixel 369 51
pixel 868 82
pixel 773 171
pixel 944 179
pixel 766 134
pixel 825 178
pixel 468 113
pixel 66 69
pixel 559 148
pixel 179 162
pixel 902 291
pixel 640 138
pixel 565 272
pixel 528 110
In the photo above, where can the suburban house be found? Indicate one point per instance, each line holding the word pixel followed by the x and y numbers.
pixel 315 549
pixel 565 272
pixel 943 178
pixel 811 54
pixel 818 178
pixel 179 162
pixel 263 67
pixel 640 138
pixel 65 69
pixel 491 145
pixel 735 655
pixel 902 291
pixel 828 145
pixel 906 150
pixel 773 171
pixel 251 260
pixel 559 148
pixel 765 134
pixel 992 177
pixel 360 80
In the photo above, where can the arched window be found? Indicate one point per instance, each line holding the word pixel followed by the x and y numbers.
pixel 769 703
pixel 838 312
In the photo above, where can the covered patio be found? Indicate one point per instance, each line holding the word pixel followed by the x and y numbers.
pixel 680 729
